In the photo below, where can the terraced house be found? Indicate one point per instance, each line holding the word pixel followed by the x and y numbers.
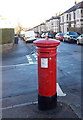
pixel 53 24
pixel 72 19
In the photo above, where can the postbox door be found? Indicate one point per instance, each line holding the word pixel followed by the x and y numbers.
pixel 46 75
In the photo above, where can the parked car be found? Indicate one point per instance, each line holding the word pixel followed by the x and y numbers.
pixel 50 35
pixel 80 39
pixel 59 36
pixel 43 35
pixel 29 36
pixel 70 36
pixel 38 35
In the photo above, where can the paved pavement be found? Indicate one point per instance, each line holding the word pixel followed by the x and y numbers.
pixel 30 110
pixel 20 82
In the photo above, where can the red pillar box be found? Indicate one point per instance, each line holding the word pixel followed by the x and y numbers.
pixel 47 94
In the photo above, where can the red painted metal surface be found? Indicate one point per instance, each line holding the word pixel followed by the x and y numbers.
pixel 47 66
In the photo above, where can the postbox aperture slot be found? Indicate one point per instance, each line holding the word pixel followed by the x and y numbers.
pixel 44 52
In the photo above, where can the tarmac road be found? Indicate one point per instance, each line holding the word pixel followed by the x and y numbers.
pixel 19 76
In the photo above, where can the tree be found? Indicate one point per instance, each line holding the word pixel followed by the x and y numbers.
pixel 18 28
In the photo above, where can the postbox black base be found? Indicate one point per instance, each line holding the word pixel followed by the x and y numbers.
pixel 46 103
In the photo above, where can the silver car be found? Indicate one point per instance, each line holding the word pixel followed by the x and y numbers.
pixel 80 39
pixel 70 36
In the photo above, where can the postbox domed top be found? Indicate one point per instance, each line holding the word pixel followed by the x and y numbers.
pixel 46 42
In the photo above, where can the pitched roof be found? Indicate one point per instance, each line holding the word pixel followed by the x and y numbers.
pixel 53 17
pixel 77 6
pixel 57 17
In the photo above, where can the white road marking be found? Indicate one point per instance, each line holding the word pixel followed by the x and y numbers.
pixel 35 56
pixel 59 91
pixel 15 65
pixel 19 105
pixel 29 59
pixel 18 65
pixel 24 64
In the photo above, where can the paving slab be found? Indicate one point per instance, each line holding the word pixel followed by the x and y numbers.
pixel 31 111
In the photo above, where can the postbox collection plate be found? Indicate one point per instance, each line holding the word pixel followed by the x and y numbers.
pixel 44 62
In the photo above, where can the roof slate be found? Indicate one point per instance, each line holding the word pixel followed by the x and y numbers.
pixel 77 6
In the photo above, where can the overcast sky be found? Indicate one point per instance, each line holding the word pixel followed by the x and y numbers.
pixel 33 12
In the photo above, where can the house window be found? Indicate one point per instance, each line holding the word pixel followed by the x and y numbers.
pixel 81 11
pixel 77 20
pixel 57 23
pixel 62 18
pixel 81 20
pixel 69 24
pixel 74 15
pixel 52 24
pixel 67 16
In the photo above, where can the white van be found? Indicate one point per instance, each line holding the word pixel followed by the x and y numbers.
pixel 29 36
